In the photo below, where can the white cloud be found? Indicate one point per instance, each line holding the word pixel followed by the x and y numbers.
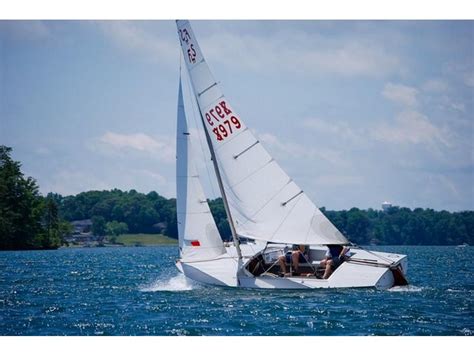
pixel 71 182
pixel 130 36
pixel 458 106
pixel 295 151
pixel 157 177
pixel 290 51
pixel 401 94
pixel 410 127
pixel 300 52
pixel 469 78
pixel 163 147
pixel 435 86
pixel 339 130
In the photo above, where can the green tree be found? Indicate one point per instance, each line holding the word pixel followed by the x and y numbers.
pixel 65 229
pixel 98 226
pixel 51 237
pixel 20 206
pixel 115 228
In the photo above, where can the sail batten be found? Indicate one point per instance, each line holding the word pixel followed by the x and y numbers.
pixel 264 202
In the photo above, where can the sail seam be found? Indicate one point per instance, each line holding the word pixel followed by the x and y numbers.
pixel 266 203
pixel 310 224
pixel 284 219
pixel 252 173
pixel 212 104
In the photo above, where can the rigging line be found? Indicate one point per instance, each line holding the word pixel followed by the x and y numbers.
pixel 211 182
pixel 378 256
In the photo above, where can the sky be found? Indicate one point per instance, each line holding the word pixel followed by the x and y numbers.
pixel 356 112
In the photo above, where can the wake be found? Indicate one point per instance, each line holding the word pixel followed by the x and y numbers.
pixel 175 284
pixel 409 288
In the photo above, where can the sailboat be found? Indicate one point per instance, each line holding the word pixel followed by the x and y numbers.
pixel 268 212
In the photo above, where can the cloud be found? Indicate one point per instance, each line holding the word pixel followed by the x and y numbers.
pixel 131 36
pixel 469 78
pixel 156 177
pixel 339 130
pixel 458 106
pixel 292 150
pixel 290 51
pixel 410 127
pixel 300 52
pixel 401 94
pixel 70 182
pixel 163 147
pixel 435 86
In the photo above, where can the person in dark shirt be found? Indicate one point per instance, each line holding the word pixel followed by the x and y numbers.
pixel 335 256
pixel 295 257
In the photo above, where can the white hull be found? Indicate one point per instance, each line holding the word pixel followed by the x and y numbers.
pixel 365 270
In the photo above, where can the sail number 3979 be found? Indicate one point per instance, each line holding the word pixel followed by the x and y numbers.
pixel 224 122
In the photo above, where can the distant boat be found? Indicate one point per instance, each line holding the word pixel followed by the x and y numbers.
pixel 267 211
pixel 463 245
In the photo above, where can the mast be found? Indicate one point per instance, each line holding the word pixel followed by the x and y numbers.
pixel 235 237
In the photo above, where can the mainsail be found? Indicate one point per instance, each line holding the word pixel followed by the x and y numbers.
pixel 199 238
pixel 265 203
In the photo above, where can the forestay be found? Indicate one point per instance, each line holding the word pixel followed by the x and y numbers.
pixel 199 238
pixel 265 203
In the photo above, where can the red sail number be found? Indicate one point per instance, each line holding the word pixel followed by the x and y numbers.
pixel 226 128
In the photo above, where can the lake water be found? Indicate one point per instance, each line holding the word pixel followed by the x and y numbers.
pixel 138 291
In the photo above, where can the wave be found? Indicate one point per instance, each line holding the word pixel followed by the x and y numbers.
pixel 174 284
pixel 408 288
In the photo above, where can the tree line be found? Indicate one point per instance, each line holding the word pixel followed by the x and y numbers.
pixel 31 221
pixel 403 226
pixel 151 213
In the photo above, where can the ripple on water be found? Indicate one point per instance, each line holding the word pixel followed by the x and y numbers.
pixel 126 291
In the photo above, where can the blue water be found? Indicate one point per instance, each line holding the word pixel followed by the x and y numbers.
pixel 138 291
